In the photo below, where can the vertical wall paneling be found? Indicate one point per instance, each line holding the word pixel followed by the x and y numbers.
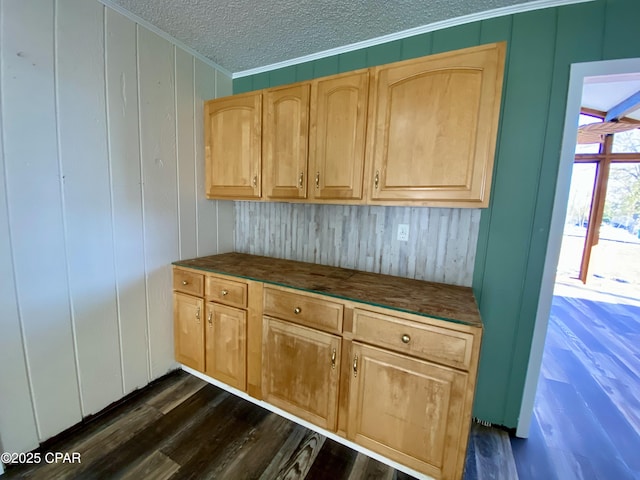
pixel 579 38
pixel 224 85
pixel 416 46
pixel 457 37
pixel 80 82
pixel 441 244
pixel 185 130
pixel 126 192
pixel 494 30
pixel 158 154
pixel 243 84
pixel 35 215
pixel 20 428
pixel 100 133
pixel 207 216
pixel 530 73
pixel 621 29
pixel 304 71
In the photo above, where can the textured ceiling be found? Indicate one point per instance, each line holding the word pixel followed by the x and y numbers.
pixel 245 34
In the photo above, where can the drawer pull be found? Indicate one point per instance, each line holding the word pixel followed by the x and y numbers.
pixel 184 282
pixel 210 319
pixel 225 293
pixel 198 315
pixel 406 338
pixel 355 366
pixel 333 359
pixel 297 310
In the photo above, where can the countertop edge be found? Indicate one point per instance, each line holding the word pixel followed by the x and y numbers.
pixel 188 263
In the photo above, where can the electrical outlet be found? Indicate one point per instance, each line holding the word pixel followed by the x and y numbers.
pixel 403 232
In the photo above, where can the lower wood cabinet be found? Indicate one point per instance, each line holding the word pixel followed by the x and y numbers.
pixel 188 331
pixel 407 409
pixel 395 383
pixel 226 345
pixel 300 371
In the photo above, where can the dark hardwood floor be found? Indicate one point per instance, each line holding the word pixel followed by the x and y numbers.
pixel 586 422
pixel 183 428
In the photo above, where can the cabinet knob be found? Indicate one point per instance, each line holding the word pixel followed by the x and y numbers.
pixel 225 293
pixel 355 366
pixel 210 319
pixel 198 315
pixel 297 310
pixel 301 179
pixel 255 180
pixel 376 180
pixel 317 179
pixel 184 282
pixel 406 338
pixel 333 359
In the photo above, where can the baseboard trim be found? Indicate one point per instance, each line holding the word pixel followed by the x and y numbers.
pixel 306 424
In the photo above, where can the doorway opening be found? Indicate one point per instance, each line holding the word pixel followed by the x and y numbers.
pixel 584 421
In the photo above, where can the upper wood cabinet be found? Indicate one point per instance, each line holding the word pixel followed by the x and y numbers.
pixel 233 146
pixel 419 132
pixel 434 127
pixel 338 134
pixel 285 141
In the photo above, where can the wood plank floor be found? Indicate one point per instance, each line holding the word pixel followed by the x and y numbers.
pixel 183 428
pixel 586 422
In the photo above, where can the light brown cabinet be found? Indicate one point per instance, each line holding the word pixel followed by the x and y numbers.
pixel 285 141
pixel 210 325
pixel 338 136
pixel 435 125
pixel 226 345
pixel 233 146
pixel 300 371
pixel 418 132
pixel 395 383
pixel 407 409
pixel 188 330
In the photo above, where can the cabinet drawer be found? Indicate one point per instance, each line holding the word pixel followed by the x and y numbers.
pixel 188 282
pixel 228 292
pixel 441 345
pixel 298 308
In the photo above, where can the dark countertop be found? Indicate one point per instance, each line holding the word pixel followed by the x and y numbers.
pixel 439 300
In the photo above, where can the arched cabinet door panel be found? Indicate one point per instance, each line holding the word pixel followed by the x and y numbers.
pixel 233 146
pixel 435 126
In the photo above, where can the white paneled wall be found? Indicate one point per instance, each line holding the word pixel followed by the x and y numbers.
pixel 441 247
pixel 101 178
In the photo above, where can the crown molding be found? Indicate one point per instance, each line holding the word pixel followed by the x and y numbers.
pixel 453 22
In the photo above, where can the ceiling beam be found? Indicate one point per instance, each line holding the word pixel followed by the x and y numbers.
pixel 626 106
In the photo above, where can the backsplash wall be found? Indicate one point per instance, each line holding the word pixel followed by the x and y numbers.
pixel 441 246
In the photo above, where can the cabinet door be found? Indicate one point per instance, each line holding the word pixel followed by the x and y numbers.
pixel 407 409
pixel 337 138
pixel 300 371
pixel 435 127
pixel 188 330
pixel 232 139
pixel 226 345
pixel 285 141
